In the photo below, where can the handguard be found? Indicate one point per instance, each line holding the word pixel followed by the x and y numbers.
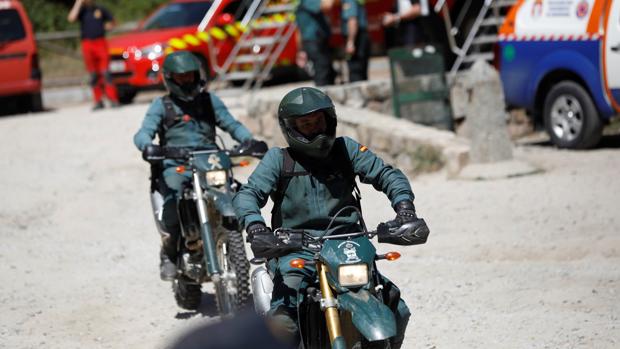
pixel 412 233
pixel 267 245
pixel 251 148
pixel 153 153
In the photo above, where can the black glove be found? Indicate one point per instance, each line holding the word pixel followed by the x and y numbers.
pixel 153 152
pixel 406 229
pixel 251 147
pixel 405 212
pixel 262 241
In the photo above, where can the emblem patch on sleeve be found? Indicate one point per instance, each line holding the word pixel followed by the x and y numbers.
pixel 363 148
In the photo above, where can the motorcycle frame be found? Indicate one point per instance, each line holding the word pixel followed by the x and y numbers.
pixel 206 233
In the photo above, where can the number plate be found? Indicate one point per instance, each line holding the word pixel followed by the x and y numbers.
pixel 117 66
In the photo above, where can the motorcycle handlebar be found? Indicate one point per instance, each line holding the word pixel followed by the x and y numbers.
pixel 284 234
pixel 155 153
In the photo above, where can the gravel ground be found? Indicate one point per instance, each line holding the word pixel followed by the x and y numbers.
pixel 527 262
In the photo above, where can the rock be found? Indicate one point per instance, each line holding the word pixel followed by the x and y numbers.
pixel 337 94
pixel 355 98
pixel 485 115
pixel 377 91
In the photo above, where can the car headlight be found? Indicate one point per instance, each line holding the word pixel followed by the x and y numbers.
pixel 216 178
pixel 153 52
pixel 353 275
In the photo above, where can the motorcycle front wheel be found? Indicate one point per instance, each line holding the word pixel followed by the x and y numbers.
pixel 187 293
pixel 233 289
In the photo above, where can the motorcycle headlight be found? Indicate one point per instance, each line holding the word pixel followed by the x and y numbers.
pixel 353 275
pixel 216 178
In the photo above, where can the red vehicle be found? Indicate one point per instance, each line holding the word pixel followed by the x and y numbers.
pixel 137 56
pixel 19 63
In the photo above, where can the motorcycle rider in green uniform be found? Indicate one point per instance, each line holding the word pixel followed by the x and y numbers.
pixel 308 193
pixel 185 117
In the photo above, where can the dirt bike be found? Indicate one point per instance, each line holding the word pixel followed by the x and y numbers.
pixel 345 305
pixel 211 246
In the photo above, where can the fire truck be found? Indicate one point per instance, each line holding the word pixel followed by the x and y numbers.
pixel 241 41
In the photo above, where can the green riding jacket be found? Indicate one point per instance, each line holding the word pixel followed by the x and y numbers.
pixel 191 133
pixel 311 21
pixel 311 201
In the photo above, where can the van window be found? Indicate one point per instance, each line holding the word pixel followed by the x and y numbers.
pixel 11 27
pixel 178 15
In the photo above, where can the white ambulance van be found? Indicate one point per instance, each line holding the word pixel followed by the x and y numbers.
pixel 560 59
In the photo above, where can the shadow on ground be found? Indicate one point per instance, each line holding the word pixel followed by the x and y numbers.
pixel 208 308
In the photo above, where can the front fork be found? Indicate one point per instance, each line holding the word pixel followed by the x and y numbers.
pixel 330 306
pixel 213 267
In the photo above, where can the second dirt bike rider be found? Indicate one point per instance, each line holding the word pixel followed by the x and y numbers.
pixel 186 117
pixel 309 182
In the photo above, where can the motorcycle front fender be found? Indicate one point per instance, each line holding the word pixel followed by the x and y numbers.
pixel 373 319
pixel 222 201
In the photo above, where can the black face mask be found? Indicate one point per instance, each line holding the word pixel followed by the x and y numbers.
pixel 189 88
pixel 313 136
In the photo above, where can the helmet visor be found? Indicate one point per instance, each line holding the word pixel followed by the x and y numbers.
pixel 307 127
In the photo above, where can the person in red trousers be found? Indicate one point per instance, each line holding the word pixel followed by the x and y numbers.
pixel 95 20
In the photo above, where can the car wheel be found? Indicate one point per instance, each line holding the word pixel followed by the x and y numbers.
pixel 571 119
pixel 36 102
pixel 126 96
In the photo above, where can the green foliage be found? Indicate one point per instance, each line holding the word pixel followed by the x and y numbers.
pixel 47 16
pixel 51 15
pixel 130 11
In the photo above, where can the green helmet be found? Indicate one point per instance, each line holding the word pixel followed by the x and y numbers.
pixel 180 62
pixel 301 102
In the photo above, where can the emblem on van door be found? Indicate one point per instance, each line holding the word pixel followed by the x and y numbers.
pixel 582 9
pixel 350 251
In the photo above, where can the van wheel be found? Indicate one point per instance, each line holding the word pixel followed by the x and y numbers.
pixel 571 119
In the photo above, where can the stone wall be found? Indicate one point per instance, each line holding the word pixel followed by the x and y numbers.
pixel 408 146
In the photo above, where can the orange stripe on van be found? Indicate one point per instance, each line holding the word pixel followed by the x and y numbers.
pixel 594 24
pixel 508 27
pixel 610 96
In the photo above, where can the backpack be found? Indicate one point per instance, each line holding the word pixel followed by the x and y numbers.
pixel 171 117
pixel 287 172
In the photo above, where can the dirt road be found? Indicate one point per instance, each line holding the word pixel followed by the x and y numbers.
pixel 529 262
